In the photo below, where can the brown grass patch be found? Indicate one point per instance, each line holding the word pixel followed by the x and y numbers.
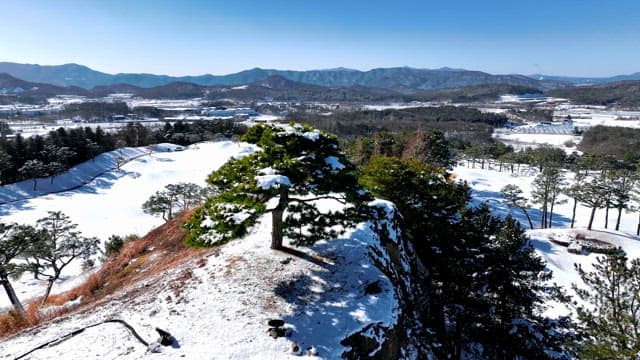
pixel 134 262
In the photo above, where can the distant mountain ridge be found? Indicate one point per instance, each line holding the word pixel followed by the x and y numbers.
pixel 587 80
pixel 274 87
pixel 400 79
pixel 9 85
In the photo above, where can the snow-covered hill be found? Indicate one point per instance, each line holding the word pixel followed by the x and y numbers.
pixel 339 297
pixel 349 297
pixel 104 201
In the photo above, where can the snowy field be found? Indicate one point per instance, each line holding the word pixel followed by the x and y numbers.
pixel 112 202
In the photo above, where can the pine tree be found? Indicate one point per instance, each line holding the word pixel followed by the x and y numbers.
pixel 573 192
pixel 592 194
pixel 621 184
pixel 5 164
pixel 56 245
pixel 33 169
pixel 296 167
pixel 176 198
pixel 14 240
pixel 483 280
pixel 513 197
pixel 609 312
pixel 545 190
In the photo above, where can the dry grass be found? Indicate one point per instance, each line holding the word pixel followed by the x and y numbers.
pixel 134 262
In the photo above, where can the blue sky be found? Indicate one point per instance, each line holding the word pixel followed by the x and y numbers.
pixel 562 37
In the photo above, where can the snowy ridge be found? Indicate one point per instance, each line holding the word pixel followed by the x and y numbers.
pixel 217 307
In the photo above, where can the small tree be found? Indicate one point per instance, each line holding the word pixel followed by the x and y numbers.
pixel 57 244
pixel 296 167
pixel 513 197
pixel 546 188
pixel 56 158
pixel 120 159
pixel 5 163
pixel 5 130
pixel 176 197
pixel 621 184
pixel 92 149
pixel 610 316
pixel 14 239
pixel 573 192
pixel 33 169
pixel 592 194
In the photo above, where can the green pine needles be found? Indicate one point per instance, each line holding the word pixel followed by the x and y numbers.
pixel 296 168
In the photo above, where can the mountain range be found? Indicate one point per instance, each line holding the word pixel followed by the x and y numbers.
pixel 587 80
pixel 35 83
pixel 398 79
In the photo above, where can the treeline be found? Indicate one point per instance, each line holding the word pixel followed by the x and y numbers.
pixel 460 123
pixel 89 110
pixel 620 142
pixel 624 93
pixel 474 93
pixel 46 156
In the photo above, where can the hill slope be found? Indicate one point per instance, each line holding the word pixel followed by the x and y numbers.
pixel 624 93
pixel 343 298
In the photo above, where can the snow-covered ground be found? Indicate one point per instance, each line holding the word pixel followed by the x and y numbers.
pixel 111 203
pixel 486 185
pixel 520 141
pixel 221 306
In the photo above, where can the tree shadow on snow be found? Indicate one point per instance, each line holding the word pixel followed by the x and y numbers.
pixel 8 208
pixel 102 182
pixel 494 200
pixel 329 302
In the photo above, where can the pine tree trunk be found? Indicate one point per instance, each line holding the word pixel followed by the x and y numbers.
pixel 618 220
pixel 13 298
pixel 573 216
pixel 49 286
pixel 528 218
pixel 276 218
pixel 35 184
pixel 593 214
pixel 606 218
pixel 551 215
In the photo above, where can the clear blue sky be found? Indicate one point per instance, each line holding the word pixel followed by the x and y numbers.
pixel 561 37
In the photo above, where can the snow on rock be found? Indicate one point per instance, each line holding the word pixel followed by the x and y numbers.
pixel 218 307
